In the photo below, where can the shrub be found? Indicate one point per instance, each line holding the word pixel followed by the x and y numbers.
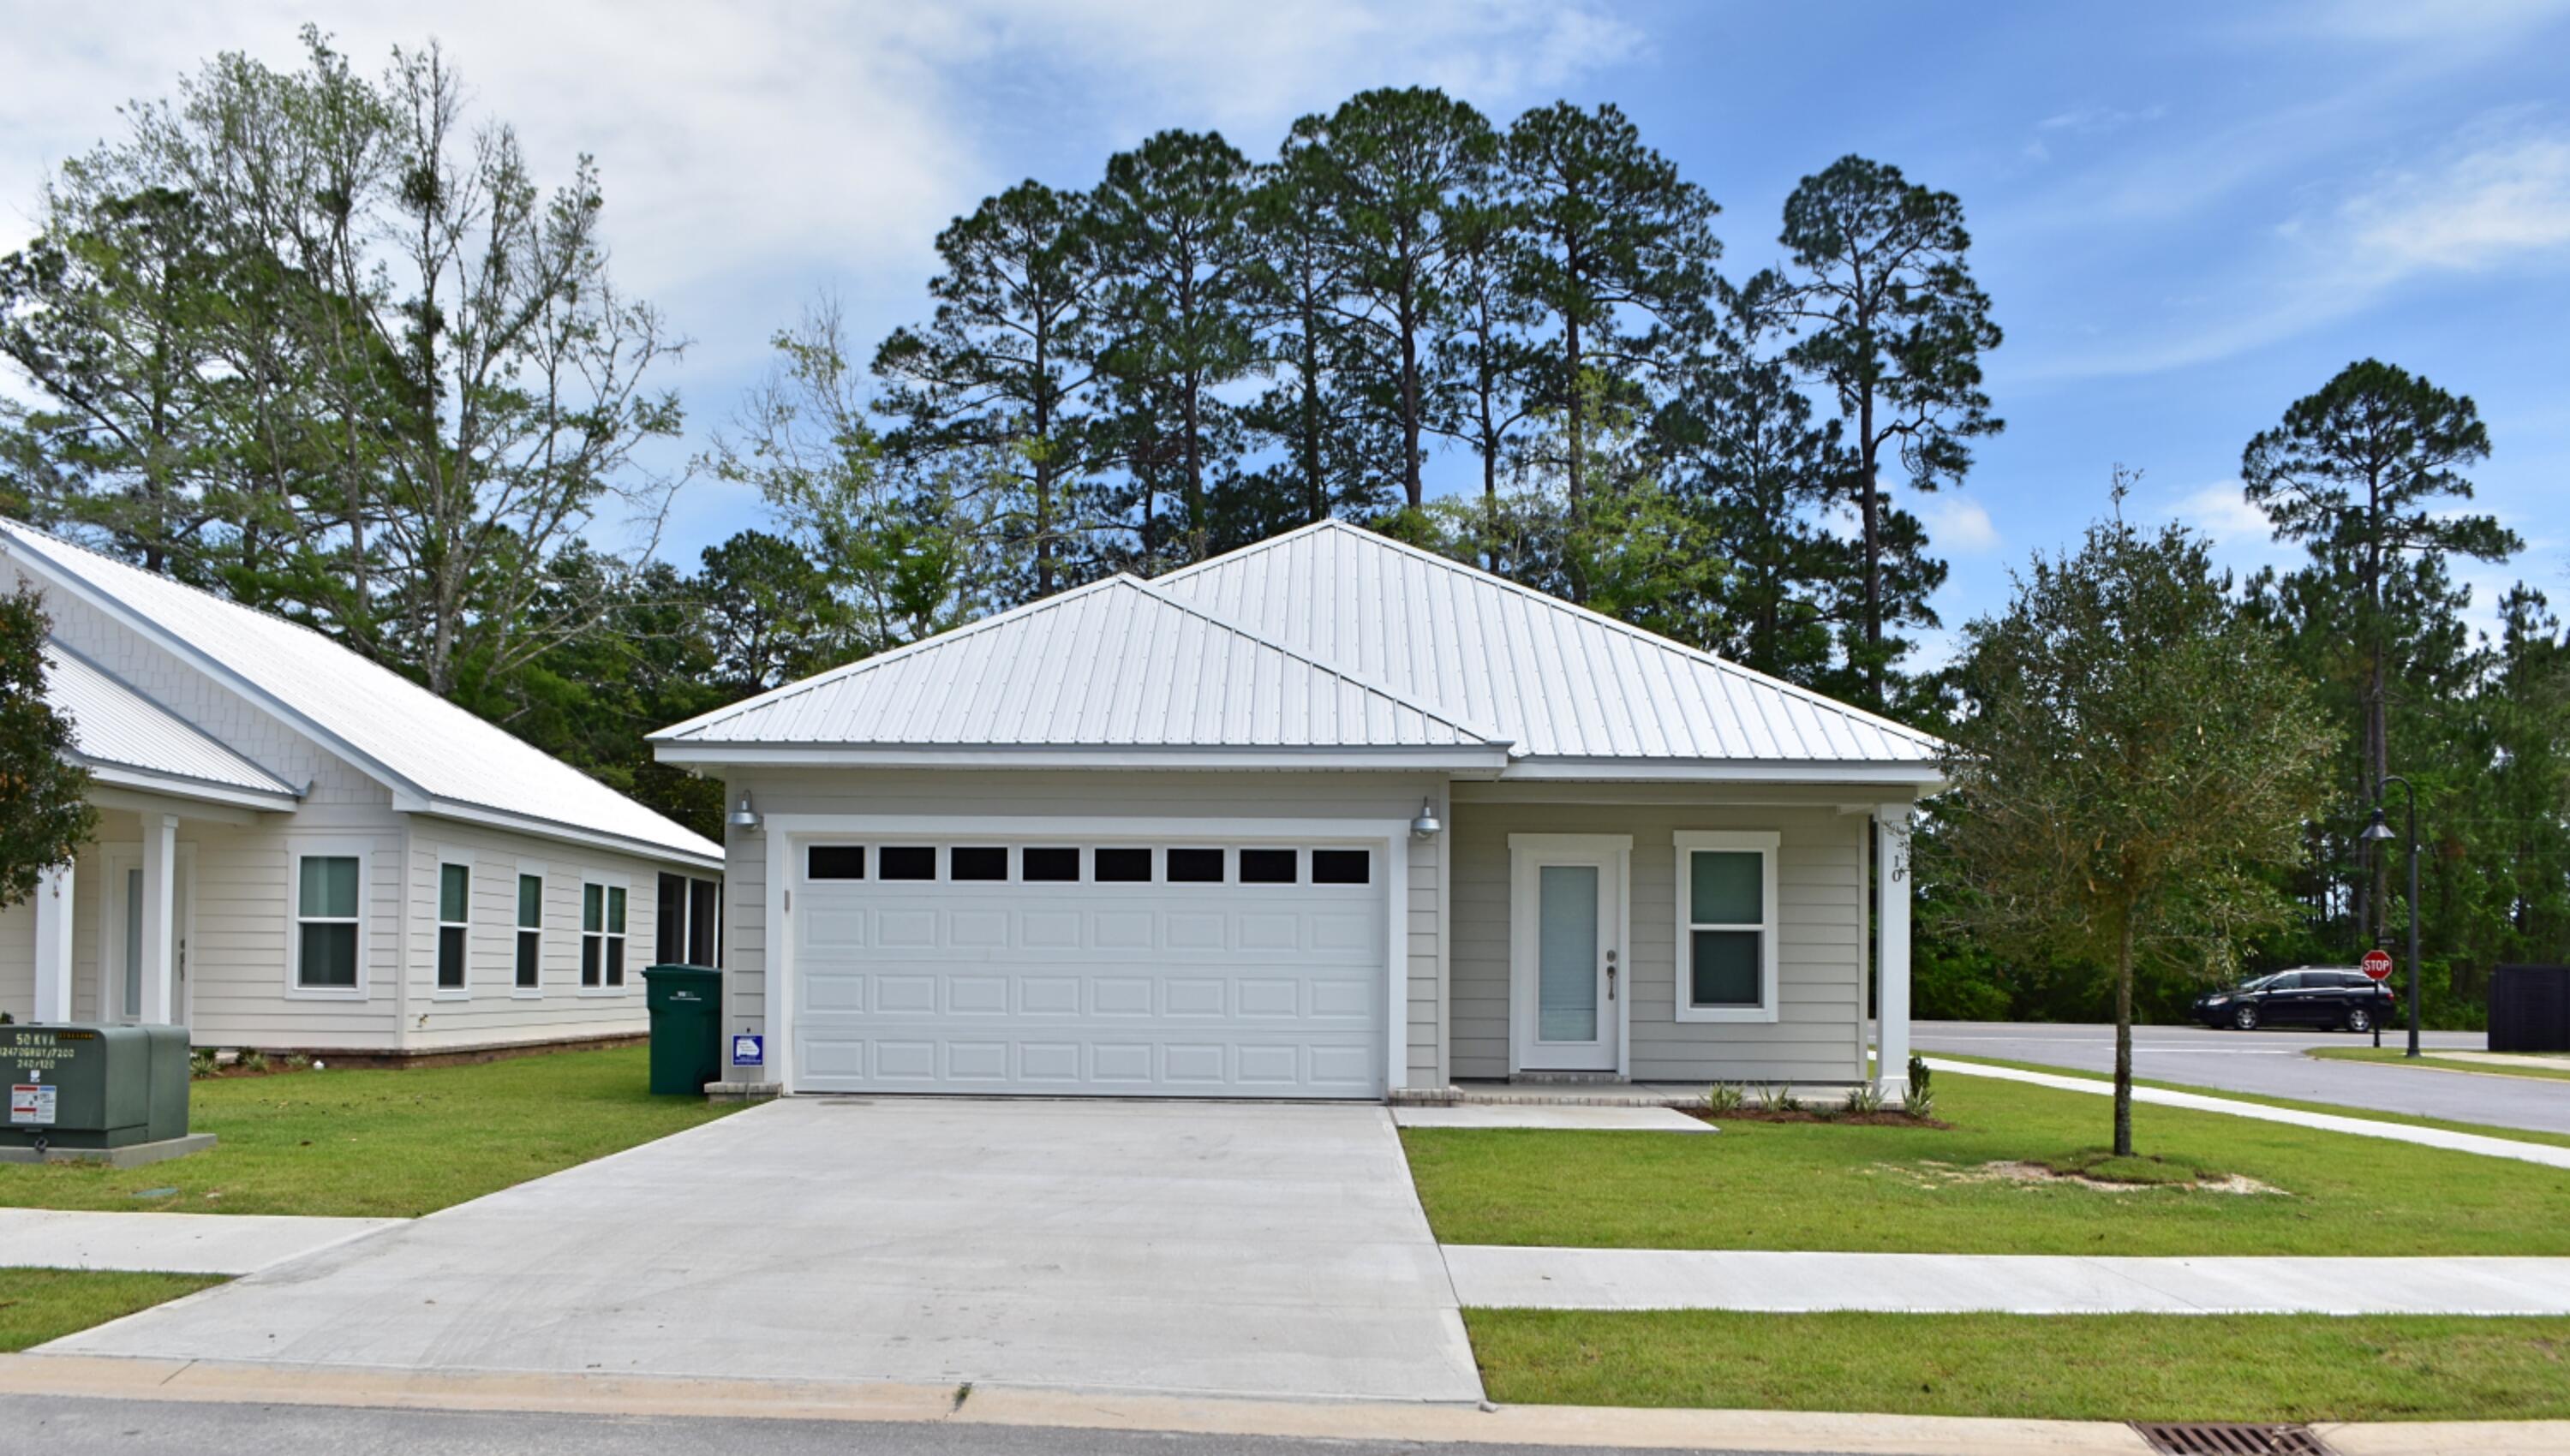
pixel 1778 1097
pixel 1863 1100
pixel 1722 1097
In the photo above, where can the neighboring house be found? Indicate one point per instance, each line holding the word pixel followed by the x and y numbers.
pixel 299 849
pixel 1326 817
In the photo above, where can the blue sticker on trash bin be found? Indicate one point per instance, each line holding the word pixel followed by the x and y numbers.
pixel 748 1051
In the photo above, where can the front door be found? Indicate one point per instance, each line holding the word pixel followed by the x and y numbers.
pixel 1568 980
pixel 121 993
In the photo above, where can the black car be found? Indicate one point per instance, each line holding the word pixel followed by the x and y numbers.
pixel 2349 1000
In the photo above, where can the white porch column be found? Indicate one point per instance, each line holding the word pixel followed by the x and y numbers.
pixel 54 917
pixel 160 934
pixel 1891 929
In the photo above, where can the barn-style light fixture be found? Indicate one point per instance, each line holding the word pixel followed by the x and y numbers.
pixel 1426 825
pixel 744 817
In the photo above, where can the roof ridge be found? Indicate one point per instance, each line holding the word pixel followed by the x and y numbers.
pixel 1815 698
pixel 784 692
pixel 1487 736
pixel 67 651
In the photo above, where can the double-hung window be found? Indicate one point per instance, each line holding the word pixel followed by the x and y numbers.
pixel 601 935
pixel 531 932
pixel 326 897
pixel 1726 926
pixel 454 923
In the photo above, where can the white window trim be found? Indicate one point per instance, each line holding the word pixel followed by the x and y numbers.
pixel 633 972
pixel 296 851
pixel 1765 842
pixel 543 888
pixel 439 925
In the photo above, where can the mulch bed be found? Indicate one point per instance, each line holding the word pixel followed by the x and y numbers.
pixel 1889 1117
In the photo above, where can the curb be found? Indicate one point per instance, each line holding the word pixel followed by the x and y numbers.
pixel 1527 1425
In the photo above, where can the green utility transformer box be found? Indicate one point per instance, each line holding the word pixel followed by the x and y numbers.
pixel 685 1002
pixel 89 1088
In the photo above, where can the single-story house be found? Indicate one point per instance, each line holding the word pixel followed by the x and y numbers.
pixel 1325 817
pixel 298 849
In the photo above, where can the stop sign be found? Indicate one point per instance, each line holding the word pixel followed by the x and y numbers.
pixel 2376 963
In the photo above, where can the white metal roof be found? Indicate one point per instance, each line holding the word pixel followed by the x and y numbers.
pixel 436 756
pixel 1567 685
pixel 1111 669
pixel 117 728
pixel 1330 643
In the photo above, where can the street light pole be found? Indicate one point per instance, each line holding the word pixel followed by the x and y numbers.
pixel 2378 831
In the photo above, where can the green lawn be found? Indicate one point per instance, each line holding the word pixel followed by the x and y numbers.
pixel 2258 1367
pixel 382 1143
pixel 1819 1186
pixel 37 1304
pixel 2334 1109
pixel 2427 1058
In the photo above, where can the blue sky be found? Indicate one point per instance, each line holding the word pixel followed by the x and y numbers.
pixel 2188 215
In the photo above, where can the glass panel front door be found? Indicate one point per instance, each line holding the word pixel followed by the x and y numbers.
pixel 1567 953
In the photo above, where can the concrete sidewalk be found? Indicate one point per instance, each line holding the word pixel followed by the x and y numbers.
pixel 215 1244
pixel 1491 1276
pixel 2426 1137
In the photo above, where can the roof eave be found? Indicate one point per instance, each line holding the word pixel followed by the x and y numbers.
pixel 182 786
pixel 541 828
pixel 1924 778
pixel 1475 758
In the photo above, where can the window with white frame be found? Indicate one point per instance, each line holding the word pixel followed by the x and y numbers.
pixel 454 923
pixel 328 894
pixel 601 935
pixel 531 932
pixel 1726 926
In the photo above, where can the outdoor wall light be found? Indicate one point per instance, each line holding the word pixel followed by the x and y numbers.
pixel 744 817
pixel 1426 825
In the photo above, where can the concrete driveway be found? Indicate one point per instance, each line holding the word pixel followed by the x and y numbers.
pixel 1206 1247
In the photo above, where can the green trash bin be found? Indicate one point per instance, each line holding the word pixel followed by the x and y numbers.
pixel 685 1002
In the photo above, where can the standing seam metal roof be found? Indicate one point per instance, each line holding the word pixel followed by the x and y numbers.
pixel 1559 679
pixel 1111 665
pixel 389 725
pixel 114 724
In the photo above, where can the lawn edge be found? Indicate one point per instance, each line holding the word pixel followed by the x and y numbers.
pixel 2288 1104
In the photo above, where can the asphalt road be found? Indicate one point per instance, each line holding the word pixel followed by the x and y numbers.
pixel 76 1426
pixel 2272 1063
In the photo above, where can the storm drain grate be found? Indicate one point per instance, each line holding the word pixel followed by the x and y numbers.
pixel 2229 1438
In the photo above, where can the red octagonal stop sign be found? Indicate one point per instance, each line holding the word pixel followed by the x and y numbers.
pixel 2376 963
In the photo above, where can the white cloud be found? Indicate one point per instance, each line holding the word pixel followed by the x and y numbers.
pixel 1959 523
pixel 2500 195
pixel 2223 515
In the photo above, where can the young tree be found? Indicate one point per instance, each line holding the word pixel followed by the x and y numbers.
pixel 1006 368
pixel 2134 758
pixel 1386 167
pixel 1894 326
pixel 1618 259
pixel 1173 250
pixel 44 813
pixel 2364 474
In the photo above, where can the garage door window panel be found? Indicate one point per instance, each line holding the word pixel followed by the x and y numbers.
pixel 1269 866
pixel 1048 864
pixel 1342 867
pixel 1123 865
pixel 836 862
pixel 981 862
pixel 1726 926
pixel 1195 867
pixel 906 862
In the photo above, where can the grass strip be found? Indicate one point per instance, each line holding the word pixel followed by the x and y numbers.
pixel 2171 1368
pixel 37 1304
pixel 2395 1056
pixel 1980 1185
pixel 382 1144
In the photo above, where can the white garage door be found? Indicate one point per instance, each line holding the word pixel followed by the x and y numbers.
pixel 1101 969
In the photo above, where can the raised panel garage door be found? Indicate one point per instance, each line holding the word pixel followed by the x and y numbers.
pixel 1221 974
